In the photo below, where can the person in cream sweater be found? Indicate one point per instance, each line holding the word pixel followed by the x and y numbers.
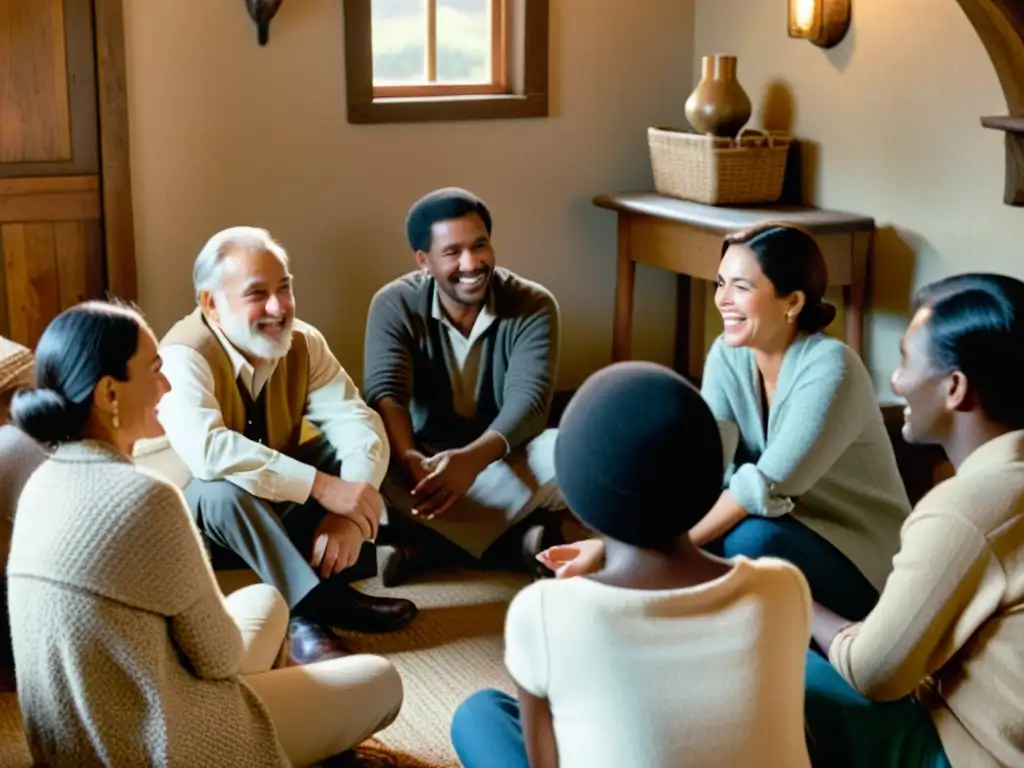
pixel 933 677
pixel 666 656
pixel 126 651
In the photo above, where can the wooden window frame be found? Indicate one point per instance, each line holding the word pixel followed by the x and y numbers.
pixel 424 103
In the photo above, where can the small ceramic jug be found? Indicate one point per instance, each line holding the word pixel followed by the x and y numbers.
pixel 718 105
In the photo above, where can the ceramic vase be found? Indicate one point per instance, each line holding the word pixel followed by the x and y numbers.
pixel 718 105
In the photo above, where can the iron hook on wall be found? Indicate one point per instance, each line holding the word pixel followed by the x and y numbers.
pixel 262 13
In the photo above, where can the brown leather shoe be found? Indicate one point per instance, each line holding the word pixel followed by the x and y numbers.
pixel 310 642
pixel 400 563
pixel 349 609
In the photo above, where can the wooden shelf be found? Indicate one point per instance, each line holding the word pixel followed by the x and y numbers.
pixel 1000 25
pixel 1013 127
pixel 1008 124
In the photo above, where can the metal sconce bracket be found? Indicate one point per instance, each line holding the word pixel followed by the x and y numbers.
pixel 262 13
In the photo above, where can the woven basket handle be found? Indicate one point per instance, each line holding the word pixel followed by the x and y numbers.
pixel 763 134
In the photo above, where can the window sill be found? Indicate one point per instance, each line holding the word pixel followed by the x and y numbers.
pixel 448 108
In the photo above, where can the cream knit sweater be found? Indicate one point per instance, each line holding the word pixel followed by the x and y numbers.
pixel 709 676
pixel 124 651
pixel 949 625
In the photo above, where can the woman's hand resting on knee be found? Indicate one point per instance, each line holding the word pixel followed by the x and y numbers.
pixel 576 559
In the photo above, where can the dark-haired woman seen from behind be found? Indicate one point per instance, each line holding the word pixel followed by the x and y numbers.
pixel 667 657
pixel 126 651
pixel 814 478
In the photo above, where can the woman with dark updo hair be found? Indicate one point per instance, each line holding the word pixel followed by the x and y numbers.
pixel 814 478
pixel 126 651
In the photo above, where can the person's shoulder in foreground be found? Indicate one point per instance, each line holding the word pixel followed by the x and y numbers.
pixel 988 486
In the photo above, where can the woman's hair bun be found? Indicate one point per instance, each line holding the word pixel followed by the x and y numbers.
pixel 78 348
pixel 816 317
pixel 46 415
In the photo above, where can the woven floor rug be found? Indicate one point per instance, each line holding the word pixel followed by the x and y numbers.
pixel 453 648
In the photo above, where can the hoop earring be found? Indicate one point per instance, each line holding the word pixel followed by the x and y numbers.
pixel 116 420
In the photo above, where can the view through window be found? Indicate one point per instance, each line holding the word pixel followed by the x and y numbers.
pixel 438 46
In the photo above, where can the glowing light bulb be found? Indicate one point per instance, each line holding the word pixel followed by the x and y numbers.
pixel 805 14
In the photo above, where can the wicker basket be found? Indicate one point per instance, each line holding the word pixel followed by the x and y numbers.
pixel 718 170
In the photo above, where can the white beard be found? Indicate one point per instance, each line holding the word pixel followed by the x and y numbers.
pixel 248 338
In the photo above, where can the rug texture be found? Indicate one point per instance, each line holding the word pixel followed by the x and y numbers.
pixel 453 648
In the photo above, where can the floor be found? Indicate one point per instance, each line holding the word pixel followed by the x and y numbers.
pixel 453 648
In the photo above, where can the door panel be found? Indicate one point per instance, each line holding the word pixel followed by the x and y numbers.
pixel 53 198
pixel 51 245
pixel 36 121
pixel 48 119
pixel 48 267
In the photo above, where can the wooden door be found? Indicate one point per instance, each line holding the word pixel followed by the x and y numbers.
pixel 51 223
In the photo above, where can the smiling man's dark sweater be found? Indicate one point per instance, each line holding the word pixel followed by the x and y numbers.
pixel 405 360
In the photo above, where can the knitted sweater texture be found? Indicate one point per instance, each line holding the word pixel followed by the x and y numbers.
pixel 125 654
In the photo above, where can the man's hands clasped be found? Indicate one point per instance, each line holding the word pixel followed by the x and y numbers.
pixel 440 480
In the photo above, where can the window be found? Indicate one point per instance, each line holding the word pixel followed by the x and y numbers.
pixel 438 47
pixel 418 60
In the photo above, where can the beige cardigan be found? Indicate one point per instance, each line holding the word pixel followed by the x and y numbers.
pixel 125 654
pixel 950 621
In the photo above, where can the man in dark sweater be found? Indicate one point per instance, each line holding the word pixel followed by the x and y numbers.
pixel 460 362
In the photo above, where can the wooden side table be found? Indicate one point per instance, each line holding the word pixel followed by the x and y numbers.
pixel 686 238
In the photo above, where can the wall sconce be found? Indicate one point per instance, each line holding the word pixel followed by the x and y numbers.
pixel 823 22
pixel 262 12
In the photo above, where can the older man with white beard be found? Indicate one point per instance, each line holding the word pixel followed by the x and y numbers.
pixel 245 374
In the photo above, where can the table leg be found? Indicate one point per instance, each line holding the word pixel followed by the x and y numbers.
pixel 622 335
pixel 855 294
pixel 690 308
